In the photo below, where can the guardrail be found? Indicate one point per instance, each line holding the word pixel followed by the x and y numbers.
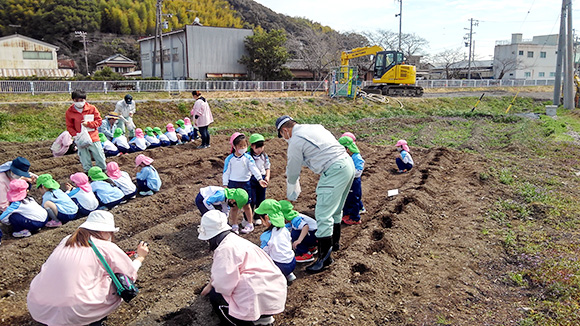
pixel 33 87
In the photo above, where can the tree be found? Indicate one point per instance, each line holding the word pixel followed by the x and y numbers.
pixel 266 54
pixel 448 58
pixel 502 66
pixel 411 44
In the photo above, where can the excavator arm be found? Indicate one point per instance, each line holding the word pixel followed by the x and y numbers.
pixel 358 52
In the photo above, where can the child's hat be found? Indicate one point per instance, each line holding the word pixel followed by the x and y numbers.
pixel 17 190
pixel 403 143
pixel 187 121
pixel 96 174
pixel 100 220
pixel 349 134
pixel 113 170
pixel 82 181
pixel 143 159
pixel 47 181
pixel 233 137
pixel 239 195
pixel 212 223
pixel 149 131
pixel 139 133
pixel 349 143
pixel 118 132
pixel 180 123
pixel 274 210
pixel 20 167
pixel 254 138
pixel 157 130
pixel 288 210
pixel 102 137
pixel 170 127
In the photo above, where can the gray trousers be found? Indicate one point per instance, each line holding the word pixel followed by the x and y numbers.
pixel 97 153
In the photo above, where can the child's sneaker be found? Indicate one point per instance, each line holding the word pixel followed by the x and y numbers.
pixel 146 193
pixel 348 221
pixel 304 258
pixel 249 228
pixel 258 221
pixel 291 277
pixel 244 223
pixel 313 250
pixel 236 229
pixel 363 210
pixel 53 224
pixel 265 321
pixel 21 234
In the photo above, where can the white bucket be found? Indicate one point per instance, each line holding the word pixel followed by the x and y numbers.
pixel 551 110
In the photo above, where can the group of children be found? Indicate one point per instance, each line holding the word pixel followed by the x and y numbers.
pixel 84 194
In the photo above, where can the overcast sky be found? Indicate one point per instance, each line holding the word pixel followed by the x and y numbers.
pixel 441 22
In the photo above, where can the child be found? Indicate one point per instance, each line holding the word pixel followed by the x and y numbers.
pixel 353 203
pixel 151 138
pixel 108 194
pixel 276 240
pixel 139 141
pixel 162 138
pixel 182 131
pixel 24 214
pixel 263 164
pixel 405 163
pixel 190 129
pixel 303 229
pixel 122 180
pixel 83 195
pixel 60 207
pixel 148 180
pixel 121 142
pixel 239 166
pixel 109 148
pixel 212 197
pixel 352 136
pixel 172 135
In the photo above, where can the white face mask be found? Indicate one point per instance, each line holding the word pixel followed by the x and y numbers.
pixel 79 105
pixel 241 151
pixel 399 149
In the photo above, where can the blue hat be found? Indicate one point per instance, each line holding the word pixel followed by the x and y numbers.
pixel 280 121
pixel 20 167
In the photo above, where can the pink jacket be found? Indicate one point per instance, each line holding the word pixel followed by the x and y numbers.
pixel 61 144
pixel 201 109
pixel 4 187
pixel 248 279
pixel 73 287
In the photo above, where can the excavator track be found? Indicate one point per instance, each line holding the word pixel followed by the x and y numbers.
pixel 395 90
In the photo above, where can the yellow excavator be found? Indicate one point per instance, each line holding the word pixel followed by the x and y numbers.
pixel 392 77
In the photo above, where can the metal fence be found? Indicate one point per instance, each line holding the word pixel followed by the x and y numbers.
pixel 34 87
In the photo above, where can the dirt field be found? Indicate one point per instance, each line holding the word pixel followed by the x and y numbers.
pixel 419 258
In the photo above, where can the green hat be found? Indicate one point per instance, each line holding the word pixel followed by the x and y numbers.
pixel 118 132
pixel 239 195
pixel 102 137
pixel 47 181
pixel 158 130
pixel 348 143
pixel 96 174
pixel 273 209
pixel 149 131
pixel 180 122
pixel 288 210
pixel 254 138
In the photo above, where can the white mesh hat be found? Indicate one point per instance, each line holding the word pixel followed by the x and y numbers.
pixel 212 223
pixel 100 221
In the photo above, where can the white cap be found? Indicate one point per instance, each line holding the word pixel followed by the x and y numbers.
pixel 100 221
pixel 212 223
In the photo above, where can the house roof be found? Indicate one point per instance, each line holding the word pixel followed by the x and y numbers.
pixel 117 58
pixel 30 39
pixel 464 64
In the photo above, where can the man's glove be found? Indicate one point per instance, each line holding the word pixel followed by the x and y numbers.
pixel 293 190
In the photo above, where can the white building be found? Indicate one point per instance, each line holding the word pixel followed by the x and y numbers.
pixel 526 59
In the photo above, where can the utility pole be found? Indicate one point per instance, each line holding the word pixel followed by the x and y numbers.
pixel 400 15
pixel 159 19
pixel 569 80
pixel 469 42
pixel 84 36
pixel 560 56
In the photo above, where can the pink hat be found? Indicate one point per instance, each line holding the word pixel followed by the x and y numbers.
pixel 187 121
pixel 170 127
pixel 139 133
pixel 143 159
pixel 403 143
pixel 350 135
pixel 82 181
pixel 232 138
pixel 113 170
pixel 17 190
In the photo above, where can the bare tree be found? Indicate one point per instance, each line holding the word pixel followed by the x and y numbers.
pixel 448 58
pixel 502 66
pixel 411 44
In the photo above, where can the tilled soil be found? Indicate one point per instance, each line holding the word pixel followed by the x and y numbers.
pixel 418 258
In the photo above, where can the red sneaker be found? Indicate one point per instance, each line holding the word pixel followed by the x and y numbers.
pixel 313 250
pixel 304 258
pixel 348 221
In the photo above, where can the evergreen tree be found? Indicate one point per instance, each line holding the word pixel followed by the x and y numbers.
pixel 266 54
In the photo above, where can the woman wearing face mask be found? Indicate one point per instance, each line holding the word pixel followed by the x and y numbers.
pixel 79 114
pixel 73 287
pixel 239 167
pixel 405 162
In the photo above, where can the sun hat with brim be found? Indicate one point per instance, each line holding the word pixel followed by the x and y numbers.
pixel 212 223
pixel 180 123
pixel 102 137
pixel 118 132
pixel 47 181
pixel 170 127
pixel 101 221
pixel 158 130
pixel 187 121
pixel 403 143
pixel 280 121
pixel 149 131
pixel 233 137
pixel 82 181
pixel 349 143
pixel 17 191
pixel 113 170
pixel 112 115
pixel 139 133
pixel 143 159
pixel 239 195
pixel 288 210
pixel 349 134
pixel 96 174
pixel 273 209
pixel 20 167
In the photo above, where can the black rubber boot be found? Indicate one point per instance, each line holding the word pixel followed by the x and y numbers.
pixel 324 260
pixel 336 237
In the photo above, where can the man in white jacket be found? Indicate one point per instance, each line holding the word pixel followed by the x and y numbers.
pixel 126 108
pixel 315 147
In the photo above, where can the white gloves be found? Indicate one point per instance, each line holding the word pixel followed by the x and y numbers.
pixel 293 190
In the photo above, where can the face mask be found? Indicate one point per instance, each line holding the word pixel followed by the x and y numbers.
pixel 241 151
pixel 79 105
pixel 399 149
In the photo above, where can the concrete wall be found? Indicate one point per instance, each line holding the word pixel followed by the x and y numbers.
pixel 12 50
pixel 534 67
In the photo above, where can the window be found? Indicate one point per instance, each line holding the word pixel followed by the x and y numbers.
pixel 552 74
pixel 166 55
pixel 530 54
pixel 541 74
pixel 145 57
pixel 156 56
pixel 542 54
pixel 521 52
pixel 511 74
pixel 175 55
pixel 36 55
pixel 527 74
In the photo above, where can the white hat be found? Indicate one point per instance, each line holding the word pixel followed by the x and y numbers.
pixel 212 223
pixel 100 221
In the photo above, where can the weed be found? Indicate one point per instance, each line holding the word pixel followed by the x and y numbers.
pixel 183 109
pixel 441 320
pixel 517 278
pixel 509 239
pixel 483 176
pixel 255 102
pixel 506 177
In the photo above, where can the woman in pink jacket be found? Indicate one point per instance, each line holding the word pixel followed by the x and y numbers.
pixel 73 287
pixel 246 287
pixel 203 117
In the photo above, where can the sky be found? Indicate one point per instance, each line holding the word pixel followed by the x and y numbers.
pixel 443 23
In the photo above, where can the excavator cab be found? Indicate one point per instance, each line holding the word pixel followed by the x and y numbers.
pixel 385 61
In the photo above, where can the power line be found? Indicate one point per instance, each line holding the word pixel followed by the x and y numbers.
pixel 469 42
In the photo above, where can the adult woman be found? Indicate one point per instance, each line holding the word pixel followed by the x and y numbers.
pixel 246 287
pixel 12 170
pixel 73 287
pixel 203 117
